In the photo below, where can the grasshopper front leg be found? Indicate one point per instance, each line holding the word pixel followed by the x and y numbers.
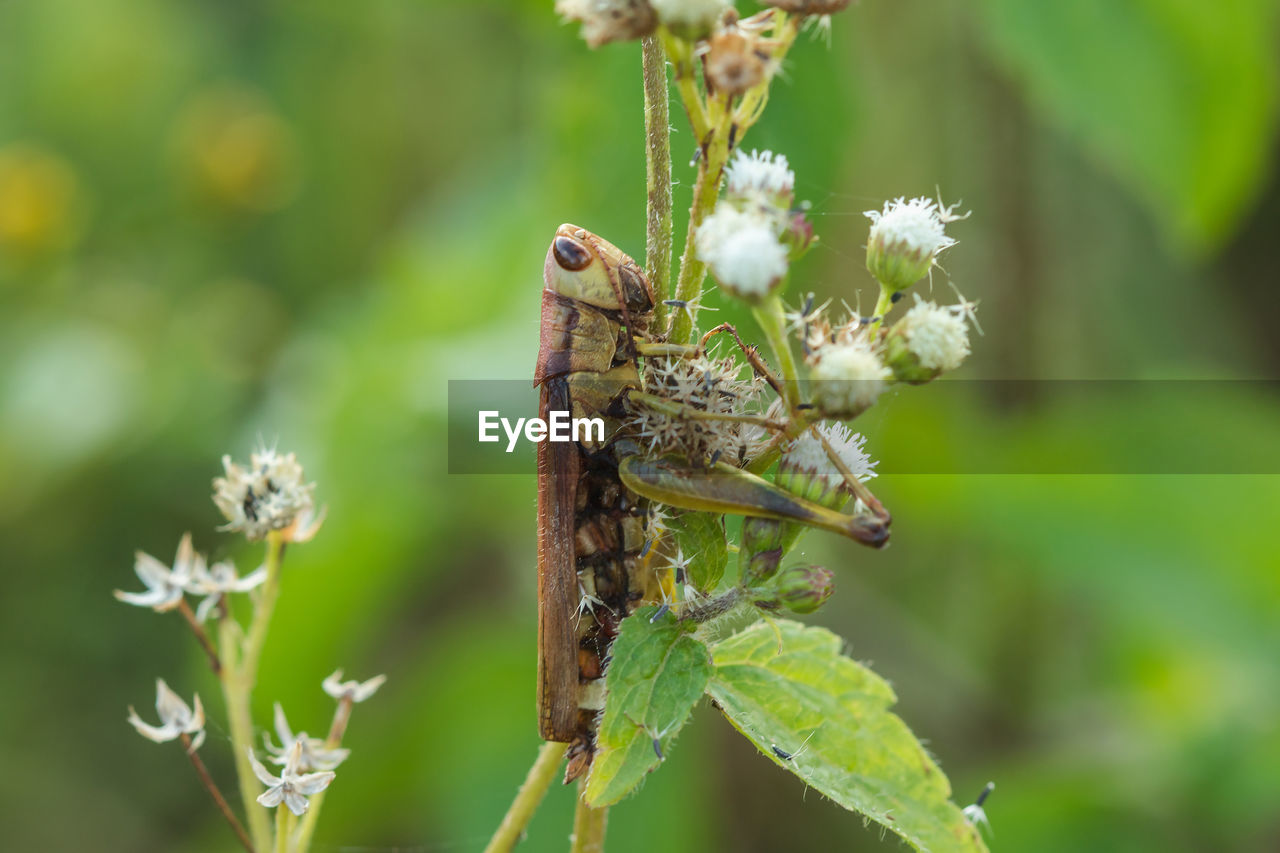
pixel 721 488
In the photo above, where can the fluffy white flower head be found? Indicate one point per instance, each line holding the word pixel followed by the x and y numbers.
pixel 906 237
pixel 806 453
pixel 847 379
pixel 760 177
pixel 937 336
pixel 695 15
pixel 267 495
pixel 743 251
pixel 176 718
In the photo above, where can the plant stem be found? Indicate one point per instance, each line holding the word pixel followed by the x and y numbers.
pixel 201 636
pixel 282 828
pixel 883 304
pixel 657 130
pixel 692 271
pixel 218 800
pixel 772 319
pixel 588 826
pixel 239 670
pixel 527 798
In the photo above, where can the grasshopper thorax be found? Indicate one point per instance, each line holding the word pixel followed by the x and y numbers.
pixel 590 269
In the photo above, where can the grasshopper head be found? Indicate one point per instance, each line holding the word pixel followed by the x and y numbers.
pixel 588 268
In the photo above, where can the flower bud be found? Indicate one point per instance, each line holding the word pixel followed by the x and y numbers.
pixel 803 589
pixel 807 471
pixel 906 238
pixel 604 21
pixel 733 63
pixel 928 341
pixel 847 378
pixel 743 252
pixel 690 19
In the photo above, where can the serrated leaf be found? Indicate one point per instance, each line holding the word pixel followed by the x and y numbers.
pixel 701 538
pixel 656 674
pixel 1178 98
pixel 786 685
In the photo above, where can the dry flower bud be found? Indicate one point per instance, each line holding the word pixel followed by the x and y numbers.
pixel 605 21
pixel 734 63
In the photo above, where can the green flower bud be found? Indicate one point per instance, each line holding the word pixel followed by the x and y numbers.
pixel 803 589
pixel 905 241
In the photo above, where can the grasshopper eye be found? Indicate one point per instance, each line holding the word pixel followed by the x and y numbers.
pixel 570 254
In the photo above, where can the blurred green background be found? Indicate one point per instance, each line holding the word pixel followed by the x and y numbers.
pixel 221 221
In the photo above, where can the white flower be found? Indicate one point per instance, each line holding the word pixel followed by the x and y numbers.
pixel 165 586
pixel 847 379
pixel 807 453
pixel 354 691
pixel 743 251
pixel 312 755
pixel 267 495
pixel 292 787
pixel 937 336
pixel 760 177
pixel 906 238
pixel 975 813
pixel 697 16
pixel 218 580
pixel 176 718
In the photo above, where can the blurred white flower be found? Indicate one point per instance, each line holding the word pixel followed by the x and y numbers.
pixel 609 20
pixel 743 252
pixel 975 813
pixel 906 238
pixel 267 495
pixel 292 786
pixel 806 453
pixel 847 378
pixel 760 177
pixel 354 691
pixel 692 17
pixel 937 336
pixel 313 754
pixel 219 580
pixel 176 718
pixel 165 586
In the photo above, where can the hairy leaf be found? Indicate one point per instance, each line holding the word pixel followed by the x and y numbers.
pixel 700 536
pixel 657 672
pixel 826 718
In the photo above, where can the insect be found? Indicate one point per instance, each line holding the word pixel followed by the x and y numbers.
pixel 595 525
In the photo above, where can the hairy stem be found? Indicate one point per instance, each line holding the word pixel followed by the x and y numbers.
pixel 239 671
pixel 588 826
pixel 218 800
pixel 657 130
pixel 528 798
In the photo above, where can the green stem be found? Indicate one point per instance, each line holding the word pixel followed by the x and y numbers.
pixel 657 128
pixel 771 316
pixel 883 304
pixel 706 191
pixel 239 670
pixel 528 798
pixel 588 826
pixel 282 828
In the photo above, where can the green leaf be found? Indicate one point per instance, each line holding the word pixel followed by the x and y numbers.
pixel 657 672
pixel 1178 97
pixel 786 685
pixel 700 536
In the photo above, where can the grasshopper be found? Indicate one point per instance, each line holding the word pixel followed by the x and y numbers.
pixel 593 496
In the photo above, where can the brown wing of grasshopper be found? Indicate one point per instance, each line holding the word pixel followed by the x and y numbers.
pixel 590 526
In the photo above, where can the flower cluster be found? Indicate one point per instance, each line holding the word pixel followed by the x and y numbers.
pixel 167 586
pixel 268 494
pixel 702 384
